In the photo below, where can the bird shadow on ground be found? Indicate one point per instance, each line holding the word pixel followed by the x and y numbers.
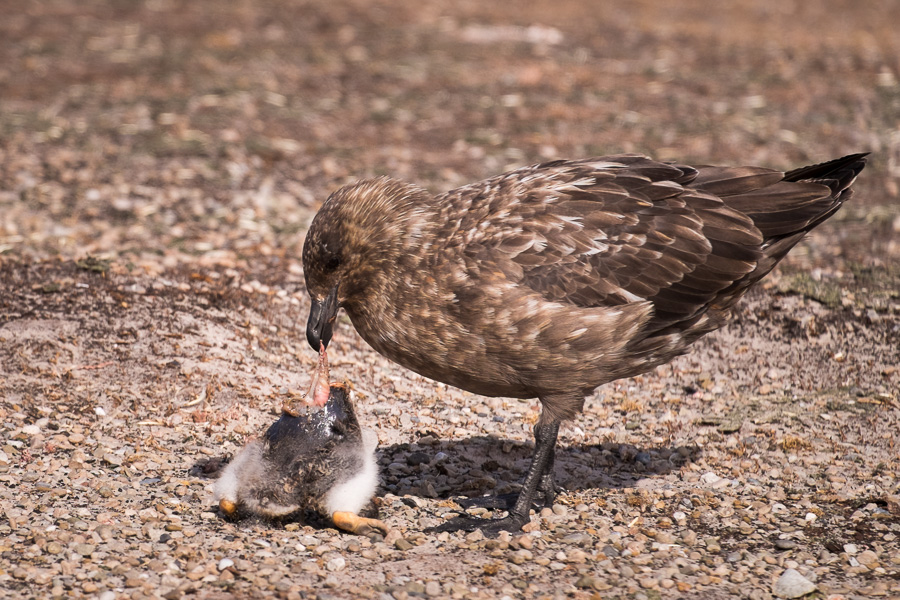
pixel 487 462
pixel 482 465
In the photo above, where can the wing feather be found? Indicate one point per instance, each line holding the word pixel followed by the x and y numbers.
pixel 623 229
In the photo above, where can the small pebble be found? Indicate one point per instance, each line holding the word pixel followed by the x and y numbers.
pixel 225 563
pixel 868 558
pixel 792 584
pixel 113 459
pixel 785 544
pixel 417 458
pixel 53 548
pixel 414 587
pixel 589 582
pixel 664 537
pixel 710 478
pixel 525 541
pixel 403 544
pixel 610 551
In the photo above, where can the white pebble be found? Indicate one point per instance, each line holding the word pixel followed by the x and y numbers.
pixel 851 549
pixel 709 478
pixel 792 584
pixel 225 563
pixel 336 564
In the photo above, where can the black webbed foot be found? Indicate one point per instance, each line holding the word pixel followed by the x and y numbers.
pixel 545 497
pixel 538 485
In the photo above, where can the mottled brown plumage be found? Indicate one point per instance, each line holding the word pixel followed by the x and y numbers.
pixel 553 279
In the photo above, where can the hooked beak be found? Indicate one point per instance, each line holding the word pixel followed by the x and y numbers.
pixel 321 320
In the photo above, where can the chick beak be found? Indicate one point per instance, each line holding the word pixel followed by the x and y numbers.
pixel 322 314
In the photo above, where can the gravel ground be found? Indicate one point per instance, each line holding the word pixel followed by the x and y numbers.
pixel 159 163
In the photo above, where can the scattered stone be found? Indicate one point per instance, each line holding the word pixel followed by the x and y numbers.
pixel 53 548
pixel 792 584
pixel 893 504
pixel 590 582
pixel 414 587
pixel 868 558
pixel 689 537
pixel 403 544
pixel 664 537
pixel 417 458
pixel 710 478
pixel 225 563
pixel 113 459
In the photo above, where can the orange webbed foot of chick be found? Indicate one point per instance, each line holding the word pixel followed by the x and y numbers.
pixel 227 507
pixel 354 523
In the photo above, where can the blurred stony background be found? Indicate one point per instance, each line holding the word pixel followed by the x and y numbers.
pixel 161 160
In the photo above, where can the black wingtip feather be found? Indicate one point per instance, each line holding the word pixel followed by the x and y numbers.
pixel 841 170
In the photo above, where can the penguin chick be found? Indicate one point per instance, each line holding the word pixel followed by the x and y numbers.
pixel 318 459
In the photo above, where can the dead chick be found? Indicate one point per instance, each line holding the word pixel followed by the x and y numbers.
pixel 312 458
